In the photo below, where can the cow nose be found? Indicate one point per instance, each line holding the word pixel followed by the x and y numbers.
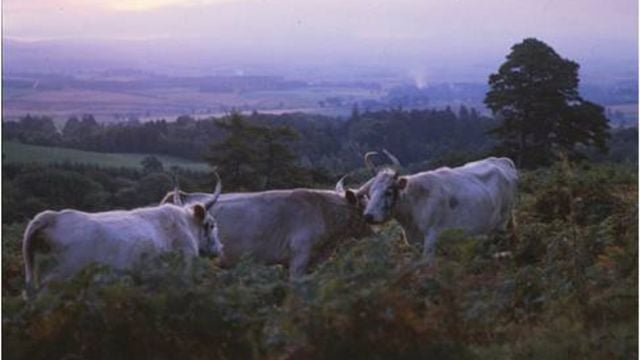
pixel 368 218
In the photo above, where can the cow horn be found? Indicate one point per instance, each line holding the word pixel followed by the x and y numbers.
pixel 177 199
pixel 367 161
pixel 340 185
pixel 364 189
pixel 393 159
pixel 216 191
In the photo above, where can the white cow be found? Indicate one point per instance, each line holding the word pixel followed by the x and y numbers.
pixel 117 238
pixel 295 228
pixel 477 198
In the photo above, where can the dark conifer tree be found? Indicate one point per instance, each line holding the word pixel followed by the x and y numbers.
pixel 535 97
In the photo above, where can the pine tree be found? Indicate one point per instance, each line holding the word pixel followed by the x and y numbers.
pixel 535 96
pixel 254 157
pixel 235 156
pixel 277 161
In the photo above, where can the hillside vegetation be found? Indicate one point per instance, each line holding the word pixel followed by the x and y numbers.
pixel 566 288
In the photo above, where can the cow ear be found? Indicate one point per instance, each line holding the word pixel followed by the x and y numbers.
pixel 402 183
pixel 351 197
pixel 199 211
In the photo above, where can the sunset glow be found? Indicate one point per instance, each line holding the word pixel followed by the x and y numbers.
pixel 144 5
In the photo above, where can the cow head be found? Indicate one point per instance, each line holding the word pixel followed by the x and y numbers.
pixel 353 198
pixel 209 241
pixel 356 202
pixel 349 195
pixel 382 191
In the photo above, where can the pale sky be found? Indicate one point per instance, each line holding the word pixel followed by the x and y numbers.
pixel 407 29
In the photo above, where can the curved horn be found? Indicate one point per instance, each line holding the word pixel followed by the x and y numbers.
pixel 367 161
pixel 216 192
pixel 340 185
pixel 364 189
pixel 177 199
pixel 393 159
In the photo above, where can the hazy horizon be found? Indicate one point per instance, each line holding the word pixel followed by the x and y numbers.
pixel 431 41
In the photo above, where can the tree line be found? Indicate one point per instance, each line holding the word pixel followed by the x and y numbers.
pixel 31 188
pixel 318 141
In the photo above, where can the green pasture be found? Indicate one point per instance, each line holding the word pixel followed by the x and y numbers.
pixel 13 152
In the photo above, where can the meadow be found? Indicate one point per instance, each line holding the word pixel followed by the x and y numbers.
pixel 14 152
pixel 564 287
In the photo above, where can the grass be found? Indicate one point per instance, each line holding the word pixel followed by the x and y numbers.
pixel 13 152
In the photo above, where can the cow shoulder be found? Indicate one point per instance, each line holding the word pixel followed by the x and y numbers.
pixel 319 205
pixel 426 187
pixel 418 186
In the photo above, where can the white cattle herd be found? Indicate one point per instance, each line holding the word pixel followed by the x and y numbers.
pixel 295 228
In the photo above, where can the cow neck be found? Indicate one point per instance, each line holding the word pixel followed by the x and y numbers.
pixel 401 211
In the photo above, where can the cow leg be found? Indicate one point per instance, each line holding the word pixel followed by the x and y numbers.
pixel 429 249
pixel 300 255
pixel 188 254
pixel 188 258
pixel 413 235
pixel 507 218
pixel 298 265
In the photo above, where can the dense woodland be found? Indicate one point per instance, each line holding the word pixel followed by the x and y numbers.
pixel 323 141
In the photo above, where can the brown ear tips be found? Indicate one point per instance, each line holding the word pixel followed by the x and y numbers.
pixel 351 197
pixel 199 211
pixel 402 183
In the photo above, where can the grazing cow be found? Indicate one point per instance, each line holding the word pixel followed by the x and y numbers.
pixel 118 238
pixel 477 198
pixel 295 228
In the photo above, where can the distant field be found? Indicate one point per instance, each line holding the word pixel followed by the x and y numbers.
pixel 171 102
pixel 13 152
